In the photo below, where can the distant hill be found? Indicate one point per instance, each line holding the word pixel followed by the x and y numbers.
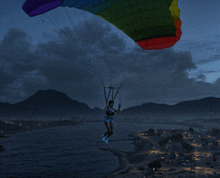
pixel 54 101
pixel 97 110
pixel 197 106
pixel 200 104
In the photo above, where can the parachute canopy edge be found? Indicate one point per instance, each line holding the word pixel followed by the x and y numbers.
pixel 152 24
pixel 36 7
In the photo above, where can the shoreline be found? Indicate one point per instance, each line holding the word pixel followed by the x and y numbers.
pixel 17 126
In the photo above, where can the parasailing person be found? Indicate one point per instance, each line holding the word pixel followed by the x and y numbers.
pixel 109 115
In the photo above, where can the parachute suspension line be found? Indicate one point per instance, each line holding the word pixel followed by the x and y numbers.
pixel 101 75
pixel 69 19
pixel 51 21
pixel 83 13
pixel 109 93
pixel 105 97
pixel 85 20
pixel 89 29
pixel 117 91
pixel 111 90
pixel 57 26
pixel 72 24
pixel 119 98
pixel 81 36
pixel 112 94
pixel 87 41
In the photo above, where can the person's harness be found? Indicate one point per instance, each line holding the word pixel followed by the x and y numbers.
pixel 110 112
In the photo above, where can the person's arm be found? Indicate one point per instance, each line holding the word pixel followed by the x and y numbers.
pixel 105 115
pixel 119 106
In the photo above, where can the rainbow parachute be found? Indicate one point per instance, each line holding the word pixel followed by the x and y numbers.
pixel 152 24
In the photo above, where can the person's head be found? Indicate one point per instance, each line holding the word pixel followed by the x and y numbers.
pixel 111 103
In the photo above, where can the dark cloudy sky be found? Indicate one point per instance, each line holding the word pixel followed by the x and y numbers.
pixel 75 57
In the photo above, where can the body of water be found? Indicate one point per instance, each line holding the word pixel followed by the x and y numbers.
pixel 56 152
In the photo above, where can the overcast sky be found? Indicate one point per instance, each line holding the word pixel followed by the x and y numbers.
pixel 75 57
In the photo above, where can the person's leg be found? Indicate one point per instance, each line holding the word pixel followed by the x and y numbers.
pixel 112 129
pixel 106 133
pixel 107 124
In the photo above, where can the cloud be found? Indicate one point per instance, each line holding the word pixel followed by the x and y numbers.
pixel 80 61
pixel 213 58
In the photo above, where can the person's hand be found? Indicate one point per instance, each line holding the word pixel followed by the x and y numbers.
pixel 119 105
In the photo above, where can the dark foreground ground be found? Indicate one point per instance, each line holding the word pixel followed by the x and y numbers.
pixel 157 153
pixel 171 153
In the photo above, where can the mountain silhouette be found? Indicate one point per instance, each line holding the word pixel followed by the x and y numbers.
pixel 209 103
pixel 52 100
pixel 197 106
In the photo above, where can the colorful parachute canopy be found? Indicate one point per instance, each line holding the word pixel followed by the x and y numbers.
pixel 152 24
